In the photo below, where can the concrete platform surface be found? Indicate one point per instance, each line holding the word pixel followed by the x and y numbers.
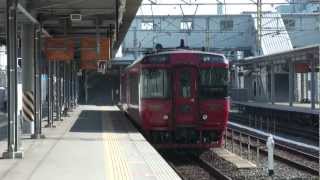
pixel 94 143
pixel 233 159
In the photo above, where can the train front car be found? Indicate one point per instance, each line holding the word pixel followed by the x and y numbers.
pixel 183 99
pixel 213 98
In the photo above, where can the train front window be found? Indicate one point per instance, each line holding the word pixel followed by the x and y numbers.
pixel 155 83
pixel 185 83
pixel 213 83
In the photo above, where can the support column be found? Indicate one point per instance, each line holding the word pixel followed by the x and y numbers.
pixel 313 84
pixel 52 90
pixel 302 88
pixel 236 77
pixel 28 77
pixel 316 77
pixel 37 85
pixel 272 85
pixel 54 87
pixel 64 86
pixel 50 107
pixel 305 81
pixel 71 86
pixel 76 84
pixel 68 86
pixel 291 83
pixel 40 60
pixel 13 150
pixel 85 84
pixel 57 88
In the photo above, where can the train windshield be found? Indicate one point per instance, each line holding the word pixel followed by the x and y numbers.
pixel 213 83
pixel 155 83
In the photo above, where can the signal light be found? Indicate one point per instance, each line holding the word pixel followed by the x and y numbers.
pixel 204 117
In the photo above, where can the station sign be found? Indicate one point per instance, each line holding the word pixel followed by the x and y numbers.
pixel 94 51
pixel 304 68
pixel 59 49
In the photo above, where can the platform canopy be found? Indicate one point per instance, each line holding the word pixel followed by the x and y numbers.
pixel 108 16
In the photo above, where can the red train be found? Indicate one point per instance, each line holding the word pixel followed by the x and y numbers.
pixel 178 98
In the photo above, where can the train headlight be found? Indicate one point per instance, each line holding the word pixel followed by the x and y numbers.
pixel 204 117
pixel 165 117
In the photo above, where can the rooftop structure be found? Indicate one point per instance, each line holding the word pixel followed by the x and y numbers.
pixel 233 35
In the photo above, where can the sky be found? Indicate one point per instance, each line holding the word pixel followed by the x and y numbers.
pixel 203 10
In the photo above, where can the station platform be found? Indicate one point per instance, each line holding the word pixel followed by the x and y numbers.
pixel 95 142
pixel 297 107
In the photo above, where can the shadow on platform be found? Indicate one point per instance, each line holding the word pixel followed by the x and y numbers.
pixel 91 121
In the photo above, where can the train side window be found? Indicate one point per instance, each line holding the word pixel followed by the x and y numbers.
pixel 155 83
pixel 185 83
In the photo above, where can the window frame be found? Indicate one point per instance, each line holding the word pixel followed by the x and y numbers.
pixel 166 93
pixel 224 23
pixel 201 86
pixel 290 24
pixel 147 25
pixel 186 25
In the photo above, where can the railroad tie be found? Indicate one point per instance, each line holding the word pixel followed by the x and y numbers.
pixel 28 106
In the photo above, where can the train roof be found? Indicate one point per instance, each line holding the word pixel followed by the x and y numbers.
pixel 176 51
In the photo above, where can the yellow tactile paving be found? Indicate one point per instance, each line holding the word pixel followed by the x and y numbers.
pixel 129 156
pixel 117 168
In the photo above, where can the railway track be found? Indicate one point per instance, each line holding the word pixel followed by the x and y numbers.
pixel 191 166
pixel 307 162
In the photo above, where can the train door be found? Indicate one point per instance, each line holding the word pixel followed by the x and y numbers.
pixel 185 100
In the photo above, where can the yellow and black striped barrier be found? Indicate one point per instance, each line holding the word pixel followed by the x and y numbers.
pixel 28 106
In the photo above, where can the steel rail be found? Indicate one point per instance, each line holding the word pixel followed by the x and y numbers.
pixel 177 171
pixel 193 158
pixel 214 172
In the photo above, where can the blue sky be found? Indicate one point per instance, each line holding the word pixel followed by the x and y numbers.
pixel 202 10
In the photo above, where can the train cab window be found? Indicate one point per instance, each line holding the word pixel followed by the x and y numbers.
pixel 213 83
pixel 185 84
pixel 155 83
